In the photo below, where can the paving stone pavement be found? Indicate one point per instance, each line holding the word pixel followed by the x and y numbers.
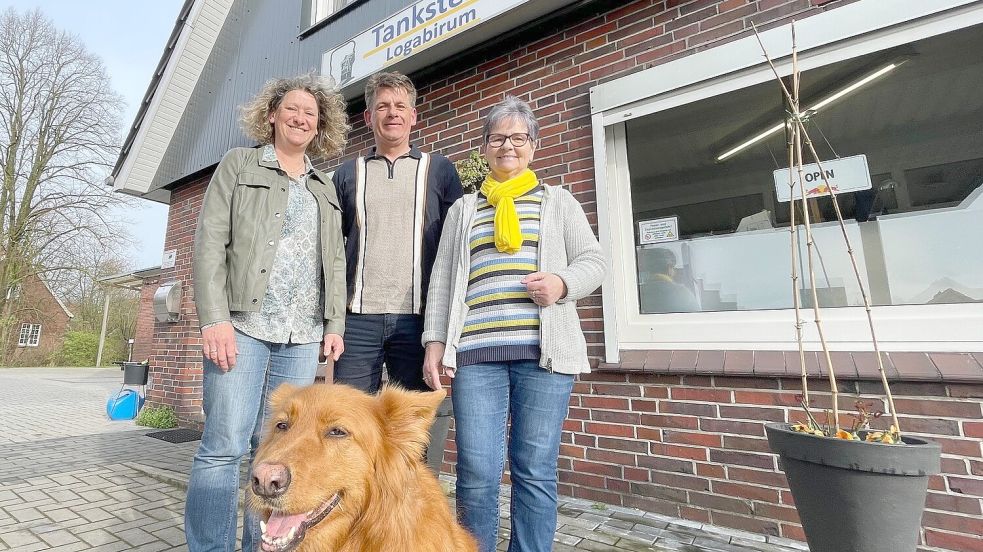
pixel 72 480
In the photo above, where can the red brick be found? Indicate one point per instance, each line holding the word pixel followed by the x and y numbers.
pixel 704 395
pixel 915 366
pixel 957 366
pixel 660 492
pixel 691 453
pixel 611 457
pixel 759 477
pixel 769 363
pixel 752 492
pixel 680 481
pixel 753 413
pixel 676 422
pixel 622 444
pixel 970 525
pixel 950 541
pixel 962 485
pixel 940 408
pixel 727 426
pixel 953 503
pixel 739 362
pixel 692 409
pixel 612 430
pixel 657 360
pixel 753 460
pixel 686 438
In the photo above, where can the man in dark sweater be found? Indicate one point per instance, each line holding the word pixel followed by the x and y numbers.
pixel 393 202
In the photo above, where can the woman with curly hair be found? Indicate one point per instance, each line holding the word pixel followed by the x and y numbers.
pixel 269 282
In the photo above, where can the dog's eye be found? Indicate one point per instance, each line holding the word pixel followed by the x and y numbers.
pixel 337 432
pixel 282 426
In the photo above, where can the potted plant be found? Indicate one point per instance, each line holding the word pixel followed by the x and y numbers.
pixel 472 170
pixel 855 489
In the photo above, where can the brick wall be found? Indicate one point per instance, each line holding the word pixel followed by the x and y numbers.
pixel 695 447
pixel 175 357
pixel 143 341
pixel 691 446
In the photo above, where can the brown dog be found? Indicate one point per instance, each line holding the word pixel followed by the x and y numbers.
pixel 340 470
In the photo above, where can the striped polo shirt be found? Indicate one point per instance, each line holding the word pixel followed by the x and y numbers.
pixel 502 323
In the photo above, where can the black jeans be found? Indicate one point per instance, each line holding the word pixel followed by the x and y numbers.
pixel 372 340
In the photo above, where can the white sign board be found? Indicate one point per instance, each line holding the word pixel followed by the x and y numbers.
pixel 847 174
pixel 416 28
pixel 169 257
pixel 658 230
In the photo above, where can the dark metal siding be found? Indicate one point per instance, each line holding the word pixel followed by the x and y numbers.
pixel 258 42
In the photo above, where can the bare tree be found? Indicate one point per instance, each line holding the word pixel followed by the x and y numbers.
pixel 59 134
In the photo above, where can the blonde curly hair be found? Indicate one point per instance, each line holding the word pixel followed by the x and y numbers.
pixel 332 119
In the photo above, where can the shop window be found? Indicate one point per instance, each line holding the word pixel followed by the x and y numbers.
pixel 30 335
pixel 915 232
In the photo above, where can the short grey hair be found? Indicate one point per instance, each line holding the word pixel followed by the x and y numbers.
pixel 512 108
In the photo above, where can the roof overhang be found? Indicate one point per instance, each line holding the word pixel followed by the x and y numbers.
pixel 130 280
pixel 194 35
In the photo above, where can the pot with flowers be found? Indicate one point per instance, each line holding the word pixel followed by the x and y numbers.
pixel 855 489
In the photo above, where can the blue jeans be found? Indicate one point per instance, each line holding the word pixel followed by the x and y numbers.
pixel 370 340
pixel 235 410
pixel 485 396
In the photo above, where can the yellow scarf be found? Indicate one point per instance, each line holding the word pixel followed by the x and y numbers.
pixel 508 234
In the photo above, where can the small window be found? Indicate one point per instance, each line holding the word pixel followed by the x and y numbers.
pixel 319 10
pixel 30 335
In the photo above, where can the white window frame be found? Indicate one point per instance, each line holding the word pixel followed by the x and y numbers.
pixel 27 337
pixel 319 10
pixel 846 32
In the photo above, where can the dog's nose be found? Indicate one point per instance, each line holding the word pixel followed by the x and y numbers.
pixel 270 480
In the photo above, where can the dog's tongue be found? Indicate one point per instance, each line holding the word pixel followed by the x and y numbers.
pixel 279 525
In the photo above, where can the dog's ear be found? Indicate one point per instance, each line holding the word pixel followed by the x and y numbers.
pixel 408 415
pixel 280 395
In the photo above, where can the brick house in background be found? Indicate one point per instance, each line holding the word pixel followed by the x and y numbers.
pixel 40 321
pixel 660 116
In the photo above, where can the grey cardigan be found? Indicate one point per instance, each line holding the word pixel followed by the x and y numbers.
pixel 567 248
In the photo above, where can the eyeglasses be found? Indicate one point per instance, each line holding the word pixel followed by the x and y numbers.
pixel 518 139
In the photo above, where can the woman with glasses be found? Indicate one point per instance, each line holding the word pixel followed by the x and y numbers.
pixel 501 319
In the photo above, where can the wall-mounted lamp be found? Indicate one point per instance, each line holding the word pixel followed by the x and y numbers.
pixel 825 101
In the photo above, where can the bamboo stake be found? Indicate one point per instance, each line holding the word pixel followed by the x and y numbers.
pixel 810 244
pixel 794 242
pixel 801 133
pixel 860 283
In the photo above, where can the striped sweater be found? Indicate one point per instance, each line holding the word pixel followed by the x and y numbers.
pixel 502 323
pixel 567 248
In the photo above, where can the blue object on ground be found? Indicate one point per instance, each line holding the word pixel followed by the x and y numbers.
pixel 124 405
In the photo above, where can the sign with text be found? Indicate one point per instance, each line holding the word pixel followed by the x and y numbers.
pixel 658 230
pixel 169 258
pixel 412 30
pixel 847 174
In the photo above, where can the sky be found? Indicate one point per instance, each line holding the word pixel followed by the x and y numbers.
pixel 129 36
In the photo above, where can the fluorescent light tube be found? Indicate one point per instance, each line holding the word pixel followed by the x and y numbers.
pixel 852 87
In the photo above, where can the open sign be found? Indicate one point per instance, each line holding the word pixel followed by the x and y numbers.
pixel 847 174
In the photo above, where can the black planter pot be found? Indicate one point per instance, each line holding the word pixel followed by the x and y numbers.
pixel 854 496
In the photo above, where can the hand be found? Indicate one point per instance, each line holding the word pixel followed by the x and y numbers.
pixel 219 345
pixel 334 345
pixel 545 288
pixel 433 366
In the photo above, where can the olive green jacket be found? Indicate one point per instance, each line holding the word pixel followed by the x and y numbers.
pixel 239 231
